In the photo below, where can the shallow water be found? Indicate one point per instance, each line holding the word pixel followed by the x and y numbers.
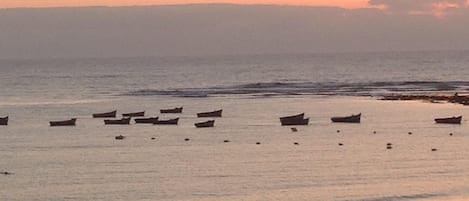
pixel 86 163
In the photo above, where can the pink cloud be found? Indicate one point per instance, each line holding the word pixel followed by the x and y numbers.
pixel 437 8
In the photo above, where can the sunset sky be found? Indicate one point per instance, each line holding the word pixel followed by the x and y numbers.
pixel 61 3
pixel 197 30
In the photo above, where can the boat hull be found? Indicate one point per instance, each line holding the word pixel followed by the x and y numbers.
pixel 292 118
pixel 206 124
pixel 167 122
pixel 123 121
pixel 150 120
pixel 210 114
pixel 347 119
pixel 134 114
pixel 105 115
pixel 295 122
pixel 450 120
pixel 4 121
pixel 175 110
pixel 70 122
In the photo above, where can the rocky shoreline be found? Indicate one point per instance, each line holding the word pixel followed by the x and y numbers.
pixel 456 98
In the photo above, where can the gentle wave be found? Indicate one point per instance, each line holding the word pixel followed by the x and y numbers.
pixel 267 89
pixel 50 102
pixel 69 76
pixel 404 197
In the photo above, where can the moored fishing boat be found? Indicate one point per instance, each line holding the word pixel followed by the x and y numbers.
pixel 294 120
pixel 134 114
pixel 70 122
pixel 123 121
pixel 449 120
pixel 348 119
pixel 167 122
pixel 294 117
pixel 146 120
pixel 174 110
pixel 216 113
pixel 205 124
pixel 4 121
pixel 105 115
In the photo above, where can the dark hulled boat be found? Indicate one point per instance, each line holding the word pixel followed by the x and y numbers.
pixel 295 120
pixel 449 120
pixel 294 117
pixel 210 114
pixel 174 110
pixel 70 122
pixel 150 120
pixel 4 121
pixel 106 114
pixel 167 122
pixel 134 114
pixel 348 119
pixel 206 124
pixel 123 121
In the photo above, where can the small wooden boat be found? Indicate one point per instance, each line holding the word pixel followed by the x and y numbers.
pixel 450 120
pixel 167 122
pixel 174 110
pixel 70 122
pixel 134 114
pixel 210 114
pixel 105 115
pixel 348 119
pixel 297 122
pixel 206 124
pixel 294 117
pixel 123 121
pixel 150 120
pixel 4 121
pixel 294 120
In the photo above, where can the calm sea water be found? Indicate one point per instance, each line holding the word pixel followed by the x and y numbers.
pixel 86 163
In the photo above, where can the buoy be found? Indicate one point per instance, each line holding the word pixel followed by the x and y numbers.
pixel 389 145
pixel 374 132
pixel 294 129
pixel 119 137
pixel 338 131
pixel 410 133
pixel 451 134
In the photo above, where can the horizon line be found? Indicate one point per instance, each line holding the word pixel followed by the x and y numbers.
pixel 245 55
pixel 187 4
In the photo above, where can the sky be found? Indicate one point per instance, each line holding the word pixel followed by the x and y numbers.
pixel 226 29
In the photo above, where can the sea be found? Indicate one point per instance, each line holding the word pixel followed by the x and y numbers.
pixel 248 155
